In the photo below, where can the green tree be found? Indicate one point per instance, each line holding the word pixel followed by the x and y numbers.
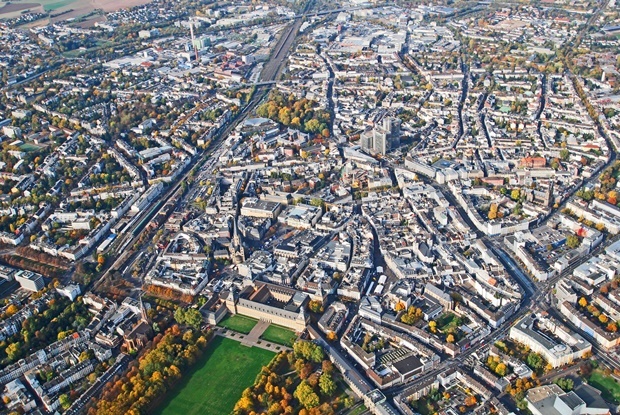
pixel 535 361
pixel 327 384
pixel 306 395
pixel 190 317
pixel 308 350
pixel 566 384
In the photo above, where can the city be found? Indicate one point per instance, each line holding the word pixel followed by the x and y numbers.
pixel 309 207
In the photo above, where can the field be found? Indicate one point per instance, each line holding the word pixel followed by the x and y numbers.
pixel 607 385
pixel 218 379
pixel 238 323
pixel 279 335
pixel 74 8
pixel 55 5
pixel 16 7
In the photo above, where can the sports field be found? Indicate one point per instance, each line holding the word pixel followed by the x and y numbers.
pixel 279 335
pixel 218 380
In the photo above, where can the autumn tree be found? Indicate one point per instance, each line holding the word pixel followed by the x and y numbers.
pixel 500 369
pixel 332 336
pixel 470 400
pixel 493 211
pixel 573 241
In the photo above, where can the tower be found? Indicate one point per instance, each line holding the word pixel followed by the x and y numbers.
pixel 143 316
pixel 237 250
pixel 191 30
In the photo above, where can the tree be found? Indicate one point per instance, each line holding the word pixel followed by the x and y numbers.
pixel 602 318
pixel 514 194
pixel 190 317
pixel 315 306
pixel 450 338
pixel 332 336
pixel 13 351
pixel 306 395
pixel 493 211
pixel 470 400
pixel 573 241
pixel 432 325
pixel 400 306
pixel 308 350
pixel 500 369
pixel 412 316
pixel 566 384
pixel 327 384
pixel 535 361
pixel 583 302
pixel 64 400
pixel 11 310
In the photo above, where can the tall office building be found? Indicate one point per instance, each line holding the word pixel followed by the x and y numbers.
pixel 383 138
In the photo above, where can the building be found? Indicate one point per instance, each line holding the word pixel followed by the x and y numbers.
pixel 382 138
pixel 257 208
pixel 333 318
pixel 302 216
pixel 551 400
pixel 70 291
pixel 604 338
pixel 279 305
pixel 555 343
pixel 137 338
pixel 29 280
pixel 437 294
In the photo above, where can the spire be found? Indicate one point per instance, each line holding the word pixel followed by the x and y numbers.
pixel 143 314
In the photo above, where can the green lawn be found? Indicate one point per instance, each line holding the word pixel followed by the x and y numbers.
pixel 357 411
pixel 279 335
pixel 27 147
pixel 238 323
pixel 448 323
pixel 607 385
pixel 218 379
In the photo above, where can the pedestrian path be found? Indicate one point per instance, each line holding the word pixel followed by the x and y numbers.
pixel 256 332
pixel 251 340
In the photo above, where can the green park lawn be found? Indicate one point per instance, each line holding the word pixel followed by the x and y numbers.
pixel 448 323
pixel 609 387
pixel 218 379
pixel 238 323
pixel 279 335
